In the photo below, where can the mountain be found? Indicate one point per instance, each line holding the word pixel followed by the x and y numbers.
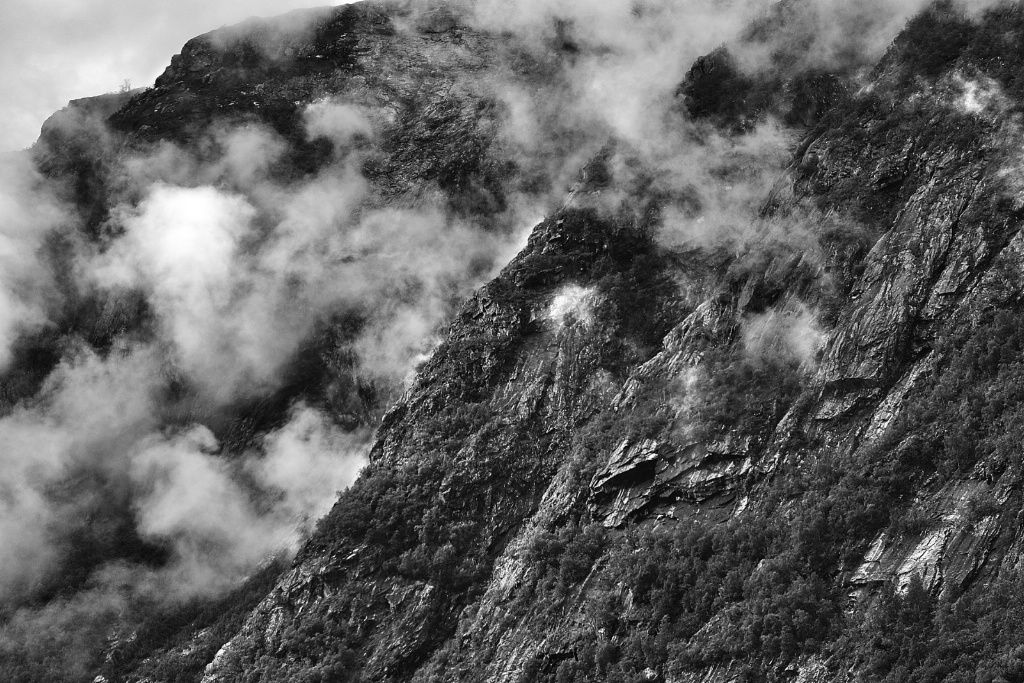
pixel 741 403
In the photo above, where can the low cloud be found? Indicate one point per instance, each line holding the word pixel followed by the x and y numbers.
pixel 99 420
pixel 84 420
pixel 188 500
pixel 973 96
pixel 30 213
pixel 197 502
pixel 180 245
pixel 339 122
pixel 307 462
pixel 787 332
pixel 218 518
pixel 728 180
pixel 573 305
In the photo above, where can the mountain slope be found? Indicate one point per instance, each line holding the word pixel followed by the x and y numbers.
pixel 808 491
pixel 702 427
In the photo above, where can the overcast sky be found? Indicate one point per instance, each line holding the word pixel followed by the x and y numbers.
pixel 52 51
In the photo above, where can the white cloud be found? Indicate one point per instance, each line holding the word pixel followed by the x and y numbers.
pixel 29 214
pixel 309 461
pixel 88 413
pixel 100 420
pixel 573 305
pixel 182 246
pixel 788 332
pixel 187 497
pixel 339 122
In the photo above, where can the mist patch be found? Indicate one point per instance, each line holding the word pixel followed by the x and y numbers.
pixel 573 305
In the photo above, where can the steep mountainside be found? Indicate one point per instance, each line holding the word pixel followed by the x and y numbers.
pixel 748 404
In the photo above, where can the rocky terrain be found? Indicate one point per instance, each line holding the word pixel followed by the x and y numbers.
pixel 745 406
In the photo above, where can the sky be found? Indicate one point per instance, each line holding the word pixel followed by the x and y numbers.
pixel 53 51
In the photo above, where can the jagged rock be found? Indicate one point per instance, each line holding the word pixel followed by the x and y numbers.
pixel 946 556
pixel 627 462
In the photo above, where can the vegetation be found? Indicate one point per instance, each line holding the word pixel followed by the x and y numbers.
pixel 716 89
pixel 744 394
pixel 931 42
pixel 73 638
pixel 762 589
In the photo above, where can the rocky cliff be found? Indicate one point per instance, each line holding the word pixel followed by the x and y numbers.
pixel 785 450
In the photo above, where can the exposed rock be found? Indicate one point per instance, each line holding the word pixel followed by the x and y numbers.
pixel 948 555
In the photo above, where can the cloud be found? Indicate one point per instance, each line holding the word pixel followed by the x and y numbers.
pixel 727 179
pixel 203 505
pixel 973 96
pixel 195 501
pixel 308 461
pixel 626 61
pixel 187 499
pixel 102 420
pixel 337 121
pixel 238 158
pixel 248 153
pixel 87 414
pixel 219 518
pixel 30 214
pixel 236 276
pixel 180 245
pixel 606 86
pixel 573 305
pixel 787 332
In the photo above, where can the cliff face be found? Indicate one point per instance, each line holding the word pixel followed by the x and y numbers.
pixel 788 456
pixel 940 255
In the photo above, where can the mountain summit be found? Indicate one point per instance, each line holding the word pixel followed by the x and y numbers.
pixel 646 341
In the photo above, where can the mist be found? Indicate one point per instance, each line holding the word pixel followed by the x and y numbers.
pixel 100 420
pixel 31 213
